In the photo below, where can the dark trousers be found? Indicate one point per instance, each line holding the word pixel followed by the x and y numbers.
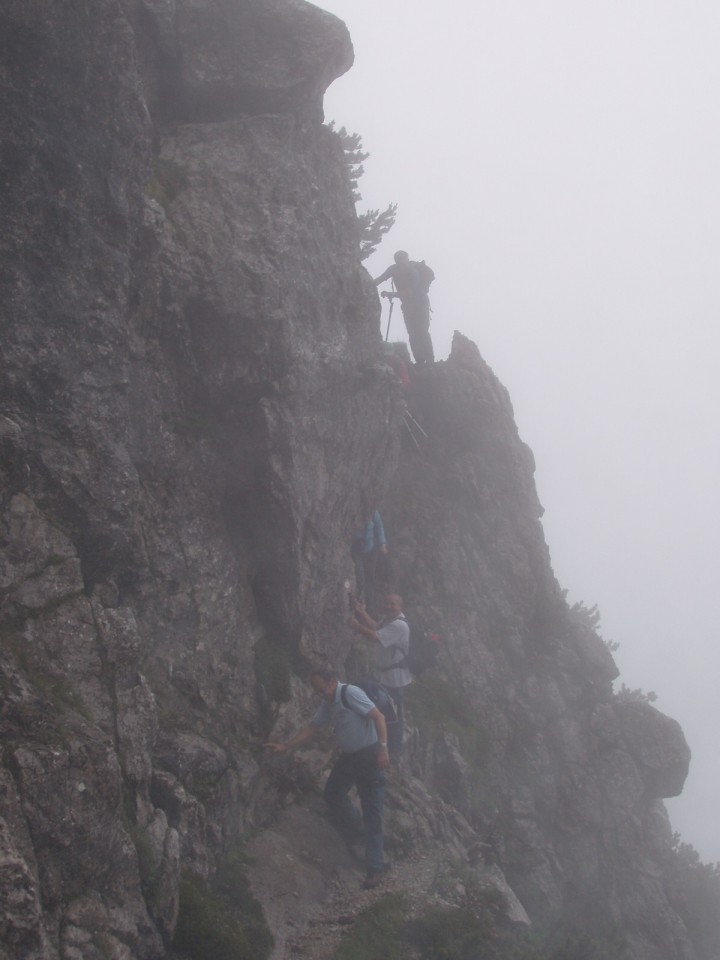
pixel 417 321
pixel 395 730
pixel 359 770
pixel 365 564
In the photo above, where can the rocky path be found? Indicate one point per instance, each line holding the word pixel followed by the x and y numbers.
pixel 416 878
pixel 311 887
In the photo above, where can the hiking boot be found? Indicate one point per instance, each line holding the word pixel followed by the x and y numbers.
pixel 373 879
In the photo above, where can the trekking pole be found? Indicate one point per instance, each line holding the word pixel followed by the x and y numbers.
pixel 387 332
pixel 392 304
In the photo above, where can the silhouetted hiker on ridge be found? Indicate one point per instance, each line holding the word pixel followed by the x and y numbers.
pixel 412 281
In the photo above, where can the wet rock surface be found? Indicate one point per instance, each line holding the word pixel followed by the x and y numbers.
pixel 194 413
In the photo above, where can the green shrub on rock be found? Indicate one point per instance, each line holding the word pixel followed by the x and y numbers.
pixel 450 933
pixel 221 920
pixel 206 930
pixel 377 934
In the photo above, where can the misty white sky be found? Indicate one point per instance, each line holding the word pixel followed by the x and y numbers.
pixel 557 163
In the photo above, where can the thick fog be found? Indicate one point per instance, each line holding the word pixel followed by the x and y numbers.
pixel 557 163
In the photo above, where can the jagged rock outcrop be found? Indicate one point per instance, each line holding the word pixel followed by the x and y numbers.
pixel 193 410
pixel 567 777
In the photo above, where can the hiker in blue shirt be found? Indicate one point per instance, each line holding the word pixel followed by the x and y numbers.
pixel 361 735
pixel 411 281
pixel 367 544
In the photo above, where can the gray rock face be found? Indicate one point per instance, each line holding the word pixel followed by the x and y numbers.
pixel 561 774
pixel 657 745
pixel 193 410
pixel 222 59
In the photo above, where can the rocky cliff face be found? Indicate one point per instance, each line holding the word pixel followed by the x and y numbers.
pixel 193 408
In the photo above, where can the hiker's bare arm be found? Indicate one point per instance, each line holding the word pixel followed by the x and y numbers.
pixel 362 622
pixel 381 728
pixel 363 617
pixel 358 627
pixel 302 736
pixel 384 276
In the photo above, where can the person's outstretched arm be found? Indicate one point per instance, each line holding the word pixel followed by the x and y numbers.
pixel 362 622
pixel 302 736
pixel 384 276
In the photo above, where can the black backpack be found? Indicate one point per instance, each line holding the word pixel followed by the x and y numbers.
pixel 425 273
pixel 422 653
pixel 379 696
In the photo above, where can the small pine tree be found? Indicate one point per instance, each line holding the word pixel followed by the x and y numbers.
pixel 627 695
pixel 373 224
pixel 355 157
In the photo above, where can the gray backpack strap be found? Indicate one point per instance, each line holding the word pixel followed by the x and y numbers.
pixel 344 700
